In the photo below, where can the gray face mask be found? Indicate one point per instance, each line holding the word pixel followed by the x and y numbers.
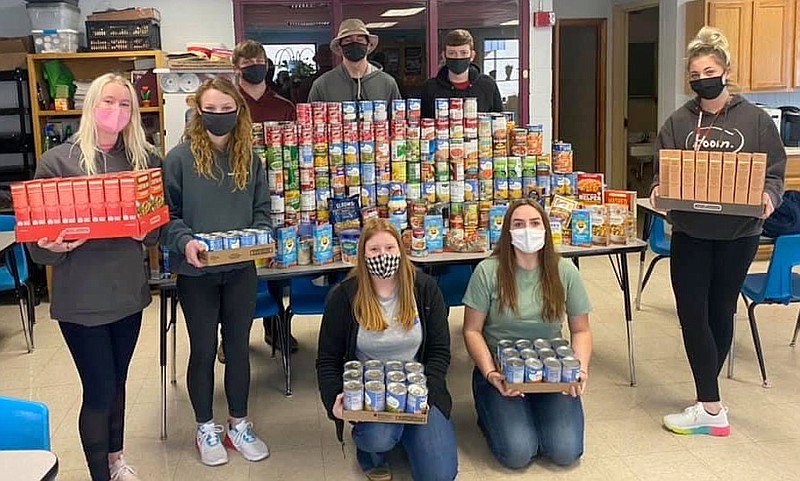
pixel 218 123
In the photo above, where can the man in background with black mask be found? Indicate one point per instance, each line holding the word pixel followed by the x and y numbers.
pixel 356 78
pixel 459 77
pixel 255 74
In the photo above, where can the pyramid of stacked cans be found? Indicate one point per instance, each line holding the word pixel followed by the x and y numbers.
pixel 393 386
pixel 439 175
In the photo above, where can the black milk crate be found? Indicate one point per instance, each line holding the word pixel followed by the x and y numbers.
pixel 123 35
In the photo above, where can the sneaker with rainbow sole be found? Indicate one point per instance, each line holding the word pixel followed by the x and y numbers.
pixel 695 420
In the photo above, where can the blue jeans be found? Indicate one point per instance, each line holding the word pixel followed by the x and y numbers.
pixel 431 448
pixel 519 429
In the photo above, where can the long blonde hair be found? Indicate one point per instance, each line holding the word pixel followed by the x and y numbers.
pixel 137 148
pixel 551 290
pixel 367 310
pixel 240 141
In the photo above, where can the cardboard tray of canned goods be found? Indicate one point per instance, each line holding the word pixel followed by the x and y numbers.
pixel 542 387
pixel 233 256
pixel 385 417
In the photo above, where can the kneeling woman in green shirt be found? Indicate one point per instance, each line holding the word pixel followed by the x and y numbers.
pixel 524 291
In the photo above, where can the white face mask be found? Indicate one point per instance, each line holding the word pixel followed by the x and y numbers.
pixel 528 240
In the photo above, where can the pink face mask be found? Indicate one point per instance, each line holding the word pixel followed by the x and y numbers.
pixel 112 120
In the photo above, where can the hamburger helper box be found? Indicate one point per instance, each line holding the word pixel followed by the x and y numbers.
pixel 726 183
pixel 120 204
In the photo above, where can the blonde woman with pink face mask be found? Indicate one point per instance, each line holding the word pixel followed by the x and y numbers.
pixel 99 286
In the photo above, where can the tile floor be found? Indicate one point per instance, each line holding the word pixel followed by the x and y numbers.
pixel 624 437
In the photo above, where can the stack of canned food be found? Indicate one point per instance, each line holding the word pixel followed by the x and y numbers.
pixel 391 386
pixel 540 360
pixel 220 241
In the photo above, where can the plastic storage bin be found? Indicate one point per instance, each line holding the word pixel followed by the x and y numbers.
pixel 58 40
pixel 53 16
pixel 123 35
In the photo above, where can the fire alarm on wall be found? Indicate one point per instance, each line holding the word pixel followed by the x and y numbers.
pixel 544 19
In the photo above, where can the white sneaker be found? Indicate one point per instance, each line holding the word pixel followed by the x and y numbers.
pixel 120 471
pixel 695 420
pixel 242 438
pixel 209 445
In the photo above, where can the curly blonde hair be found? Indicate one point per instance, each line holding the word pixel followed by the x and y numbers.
pixel 240 140
pixel 709 41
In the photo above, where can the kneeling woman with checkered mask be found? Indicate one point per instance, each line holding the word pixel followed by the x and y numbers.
pixel 386 311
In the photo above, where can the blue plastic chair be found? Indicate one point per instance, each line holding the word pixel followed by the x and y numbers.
pixel 453 281
pixel 7 223
pixel 779 285
pixel 660 245
pixel 25 425
pixel 266 306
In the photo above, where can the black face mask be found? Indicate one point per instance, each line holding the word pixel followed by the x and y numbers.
pixel 219 124
pixel 354 52
pixel 458 65
pixel 708 88
pixel 254 74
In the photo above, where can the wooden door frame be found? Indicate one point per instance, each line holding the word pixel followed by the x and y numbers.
pixel 600 87
pixel 619 90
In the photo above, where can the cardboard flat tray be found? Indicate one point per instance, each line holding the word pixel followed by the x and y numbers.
pixel 233 256
pixel 741 210
pixel 384 417
pixel 543 387
pixel 96 230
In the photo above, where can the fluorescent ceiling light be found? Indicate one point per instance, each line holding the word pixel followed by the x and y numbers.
pixel 510 23
pixel 377 25
pixel 403 12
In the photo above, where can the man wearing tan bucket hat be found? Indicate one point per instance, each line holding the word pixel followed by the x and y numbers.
pixel 356 78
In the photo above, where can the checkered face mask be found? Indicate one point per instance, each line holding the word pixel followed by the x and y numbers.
pixel 384 265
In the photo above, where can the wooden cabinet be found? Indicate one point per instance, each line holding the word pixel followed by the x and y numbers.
pixel 764 36
pixel 735 19
pixel 771 60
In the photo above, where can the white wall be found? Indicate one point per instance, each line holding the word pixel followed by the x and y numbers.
pixel 207 21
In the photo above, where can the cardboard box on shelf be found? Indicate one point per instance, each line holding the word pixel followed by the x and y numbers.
pixel 701 176
pixel 758 174
pixel 14 52
pixel 728 177
pixel 385 417
pixel 743 161
pixel 714 176
pixel 687 178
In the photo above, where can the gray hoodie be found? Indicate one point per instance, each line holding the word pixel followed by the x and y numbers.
pixel 337 86
pixel 103 280
pixel 201 205
pixel 740 127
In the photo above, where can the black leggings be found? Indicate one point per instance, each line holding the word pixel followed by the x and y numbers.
pixel 706 279
pixel 228 298
pixel 102 355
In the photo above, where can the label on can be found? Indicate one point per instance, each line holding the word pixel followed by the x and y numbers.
pixel 353 396
pixel 514 370
pixel 417 399
pixel 552 370
pixel 570 370
pixel 534 370
pixel 375 396
pixel 396 394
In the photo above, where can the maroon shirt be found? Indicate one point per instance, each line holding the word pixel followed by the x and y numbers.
pixel 271 107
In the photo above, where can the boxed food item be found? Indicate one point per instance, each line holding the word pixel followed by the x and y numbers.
pixel 667 171
pixel 581 235
pixel 701 176
pixel 95 207
pixel 714 176
pixel 496 215
pixel 590 189
pixel 556 232
pixel 561 208
pixel 687 175
pixel 620 223
pixel 564 184
pixel 729 164
pixel 758 174
pixel 600 225
pixel 434 233
pixel 286 246
pixel 740 195
pixel 323 244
